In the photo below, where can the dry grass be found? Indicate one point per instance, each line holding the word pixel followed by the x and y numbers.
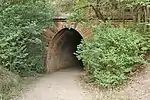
pixel 9 84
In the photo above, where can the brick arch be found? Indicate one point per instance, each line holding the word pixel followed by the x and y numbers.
pixel 62 46
pixel 52 37
pixel 85 32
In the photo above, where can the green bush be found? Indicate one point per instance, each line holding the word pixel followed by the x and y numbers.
pixel 110 55
pixel 145 44
pixel 9 84
pixel 143 30
pixel 21 43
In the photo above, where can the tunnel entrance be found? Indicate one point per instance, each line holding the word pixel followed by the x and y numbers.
pixel 64 45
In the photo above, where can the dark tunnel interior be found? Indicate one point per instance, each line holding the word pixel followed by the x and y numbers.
pixel 68 40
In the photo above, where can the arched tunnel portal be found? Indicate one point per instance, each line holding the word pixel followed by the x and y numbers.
pixel 63 46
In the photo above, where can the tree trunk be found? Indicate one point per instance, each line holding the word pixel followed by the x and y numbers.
pixel 145 19
pixel 139 16
pixel 148 18
pixel 97 11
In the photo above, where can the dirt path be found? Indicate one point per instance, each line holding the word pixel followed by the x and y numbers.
pixel 61 85
pixel 66 85
pixel 137 89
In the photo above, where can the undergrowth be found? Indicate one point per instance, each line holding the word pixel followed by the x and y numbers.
pixel 143 30
pixel 110 55
pixel 21 42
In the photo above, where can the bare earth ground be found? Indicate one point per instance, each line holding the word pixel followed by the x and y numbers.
pixel 137 89
pixel 66 85
pixel 61 85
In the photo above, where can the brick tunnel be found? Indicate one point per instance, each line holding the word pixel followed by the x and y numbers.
pixel 63 46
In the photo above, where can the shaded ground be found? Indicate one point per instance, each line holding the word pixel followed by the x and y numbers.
pixel 66 85
pixel 62 85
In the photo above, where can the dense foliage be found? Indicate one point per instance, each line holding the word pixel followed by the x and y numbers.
pixel 21 26
pixel 110 55
pixel 144 31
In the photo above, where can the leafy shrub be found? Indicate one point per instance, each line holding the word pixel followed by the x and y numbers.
pixel 110 55
pixel 9 84
pixel 20 35
pixel 143 30
pixel 145 44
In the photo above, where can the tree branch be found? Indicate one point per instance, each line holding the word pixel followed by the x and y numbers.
pixel 96 9
pixel 98 13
